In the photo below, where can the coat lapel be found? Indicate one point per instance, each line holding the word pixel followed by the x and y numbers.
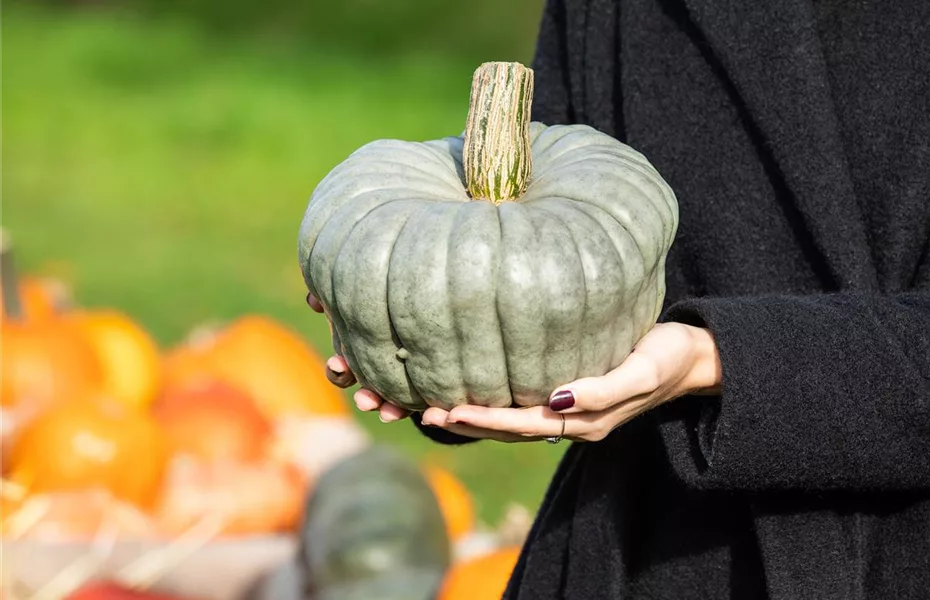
pixel 771 53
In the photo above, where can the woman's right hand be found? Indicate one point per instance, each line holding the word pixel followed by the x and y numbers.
pixel 339 374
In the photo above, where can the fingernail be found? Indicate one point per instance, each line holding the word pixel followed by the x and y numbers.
pixel 337 371
pixel 309 295
pixel 562 400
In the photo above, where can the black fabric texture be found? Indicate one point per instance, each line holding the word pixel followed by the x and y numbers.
pixel 796 135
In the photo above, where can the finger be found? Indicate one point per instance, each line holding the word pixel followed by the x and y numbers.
pixel 636 376
pixel 534 421
pixel 314 303
pixel 489 434
pixel 366 400
pixel 338 372
pixel 390 413
pixel 437 417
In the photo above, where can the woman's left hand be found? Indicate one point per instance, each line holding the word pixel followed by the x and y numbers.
pixel 670 361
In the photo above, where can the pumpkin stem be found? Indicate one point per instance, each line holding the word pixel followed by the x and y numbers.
pixel 9 282
pixel 496 157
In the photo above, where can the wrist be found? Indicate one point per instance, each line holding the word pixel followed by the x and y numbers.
pixel 706 374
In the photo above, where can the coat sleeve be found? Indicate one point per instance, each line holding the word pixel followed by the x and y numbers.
pixel 552 96
pixel 819 393
pixel 551 105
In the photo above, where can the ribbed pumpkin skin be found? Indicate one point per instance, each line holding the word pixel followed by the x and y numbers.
pixel 439 300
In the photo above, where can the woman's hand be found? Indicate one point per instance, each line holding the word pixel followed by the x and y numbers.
pixel 339 374
pixel 670 361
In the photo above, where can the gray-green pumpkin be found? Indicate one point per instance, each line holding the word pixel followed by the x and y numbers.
pixel 404 585
pixel 373 522
pixel 492 267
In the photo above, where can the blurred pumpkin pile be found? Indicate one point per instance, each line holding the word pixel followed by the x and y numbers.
pixel 217 426
pixel 224 435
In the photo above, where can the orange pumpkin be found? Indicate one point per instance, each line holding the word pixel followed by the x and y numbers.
pixel 91 442
pixel 12 499
pixel 481 578
pixel 41 362
pixel 213 420
pixel 39 298
pixel 34 298
pixel 44 362
pixel 269 362
pixel 129 356
pixel 458 508
pixel 246 497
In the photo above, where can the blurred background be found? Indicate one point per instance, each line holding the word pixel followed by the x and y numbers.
pixel 158 156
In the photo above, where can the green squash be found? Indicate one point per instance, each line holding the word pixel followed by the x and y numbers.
pixel 493 267
pixel 284 582
pixel 409 584
pixel 373 517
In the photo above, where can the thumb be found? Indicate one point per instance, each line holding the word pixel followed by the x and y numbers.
pixel 635 376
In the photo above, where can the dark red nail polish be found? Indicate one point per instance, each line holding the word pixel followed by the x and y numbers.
pixel 309 295
pixel 562 400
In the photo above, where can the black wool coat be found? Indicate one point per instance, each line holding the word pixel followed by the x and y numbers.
pixel 796 135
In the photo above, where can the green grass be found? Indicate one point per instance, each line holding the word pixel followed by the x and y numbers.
pixel 165 172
